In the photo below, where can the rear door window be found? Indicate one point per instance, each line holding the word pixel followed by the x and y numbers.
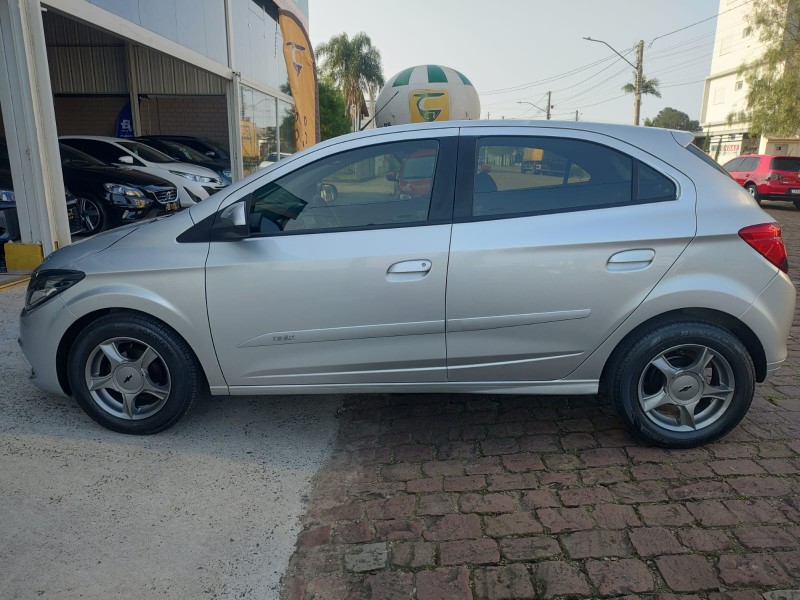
pixel 750 164
pixel 521 175
pixel 733 166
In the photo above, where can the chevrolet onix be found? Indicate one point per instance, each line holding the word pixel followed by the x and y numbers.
pixel 632 264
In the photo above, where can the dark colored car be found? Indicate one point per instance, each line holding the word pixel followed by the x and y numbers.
pixel 768 177
pixel 110 196
pixel 9 222
pixel 209 148
pixel 183 153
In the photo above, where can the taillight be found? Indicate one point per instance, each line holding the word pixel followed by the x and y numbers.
pixel 774 177
pixel 767 241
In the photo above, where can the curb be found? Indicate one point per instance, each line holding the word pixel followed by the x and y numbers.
pixel 24 279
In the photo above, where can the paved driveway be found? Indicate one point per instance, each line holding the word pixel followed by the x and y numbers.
pixel 439 497
pixel 208 509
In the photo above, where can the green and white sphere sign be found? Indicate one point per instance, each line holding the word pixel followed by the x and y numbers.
pixel 427 93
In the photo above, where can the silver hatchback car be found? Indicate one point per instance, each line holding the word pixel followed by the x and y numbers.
pixel 427 259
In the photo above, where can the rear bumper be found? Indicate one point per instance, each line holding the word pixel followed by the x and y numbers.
pixel 770 318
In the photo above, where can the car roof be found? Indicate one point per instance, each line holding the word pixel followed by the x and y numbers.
pixel 630 133
pixel 99 138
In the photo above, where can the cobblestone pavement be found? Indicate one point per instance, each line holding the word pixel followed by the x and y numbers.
pixel 438 497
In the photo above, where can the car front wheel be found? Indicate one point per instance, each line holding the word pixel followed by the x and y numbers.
pixel 132 374
pixel 682 384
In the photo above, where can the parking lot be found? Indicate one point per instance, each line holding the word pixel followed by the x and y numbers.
pixel 426 497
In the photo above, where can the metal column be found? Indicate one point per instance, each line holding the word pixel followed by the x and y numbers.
pixel 30 125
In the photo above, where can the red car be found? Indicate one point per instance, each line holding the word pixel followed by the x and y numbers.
pixel 767 177
pixel 416 174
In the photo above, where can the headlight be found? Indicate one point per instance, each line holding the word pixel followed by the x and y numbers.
pixel 197 178
pixel 49 283
pixel 123 190
pixel 226 173
pixel 6 195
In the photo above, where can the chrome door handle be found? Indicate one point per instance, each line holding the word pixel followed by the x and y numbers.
pixel 410 266
pixel 631 260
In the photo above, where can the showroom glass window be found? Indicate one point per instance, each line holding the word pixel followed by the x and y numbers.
pixel 380 186
pixel 516 175
pixel 259 128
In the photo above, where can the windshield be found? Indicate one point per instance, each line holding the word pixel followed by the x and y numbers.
pixel 70 157
pixel 146 152
pixel 185 152
pixel 785 163
pixel 221 151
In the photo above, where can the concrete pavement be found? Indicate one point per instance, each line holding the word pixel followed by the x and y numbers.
pixel 208 509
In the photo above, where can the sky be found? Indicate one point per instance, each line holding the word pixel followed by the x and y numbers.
pixel 516 44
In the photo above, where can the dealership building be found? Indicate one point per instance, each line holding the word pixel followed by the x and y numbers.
pixel 213 69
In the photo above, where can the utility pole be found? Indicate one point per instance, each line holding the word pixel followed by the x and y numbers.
pixel 638 68
pixel 576 115
pixel 637 101
pixel 549 105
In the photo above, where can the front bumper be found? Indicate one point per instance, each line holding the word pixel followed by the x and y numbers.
pixel 40 333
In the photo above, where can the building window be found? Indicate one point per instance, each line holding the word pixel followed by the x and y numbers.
pixel 748 31
pixel 725 44
pixel 719 95
pixel 739 85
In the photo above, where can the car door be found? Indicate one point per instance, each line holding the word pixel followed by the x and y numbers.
pixel 547 261
pixel 342 280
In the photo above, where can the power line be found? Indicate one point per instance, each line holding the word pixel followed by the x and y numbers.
pixel 658 37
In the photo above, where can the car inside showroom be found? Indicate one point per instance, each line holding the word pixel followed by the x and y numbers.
pixel 205 79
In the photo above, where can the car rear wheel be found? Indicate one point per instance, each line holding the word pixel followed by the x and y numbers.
pixel 750 187
pixel 132 374
pixel 94 216
pixel 682 384
pixel 796 204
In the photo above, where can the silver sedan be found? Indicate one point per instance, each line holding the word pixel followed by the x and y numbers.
pixel 483 257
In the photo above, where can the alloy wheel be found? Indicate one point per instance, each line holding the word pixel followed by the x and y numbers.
pixel 687 388
pixel 127 378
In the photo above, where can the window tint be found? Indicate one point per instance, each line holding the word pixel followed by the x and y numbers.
pixel 652 185
pixel 733 166
pixel 785 163
pixel 390 184
pixel 530 175
pixel 146 152
pixel 70 157
pixel 750 164
pixel 99 150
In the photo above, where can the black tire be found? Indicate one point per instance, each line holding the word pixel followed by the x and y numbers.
pixel 631 370
pixel 751 187
pixel 796 204
pixel 174 371
pixel 94 214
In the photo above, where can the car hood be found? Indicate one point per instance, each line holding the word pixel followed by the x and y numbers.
pixel 68 256
pixel 115 175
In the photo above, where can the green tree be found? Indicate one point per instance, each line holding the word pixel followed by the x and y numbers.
pixel 649 86
pixel 354 65
pixel 672 118
pixel 773 79
pixel 333 119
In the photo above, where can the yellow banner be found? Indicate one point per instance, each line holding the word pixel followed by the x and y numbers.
pixel 302 70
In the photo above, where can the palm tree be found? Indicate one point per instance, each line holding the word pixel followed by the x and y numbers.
pixel 354 65
pixel 649 86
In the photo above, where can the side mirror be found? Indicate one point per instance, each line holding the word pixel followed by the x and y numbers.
pixel 125 160
pixel 485 168
pixel 211 153
pixel 232 222
pixel 391 176
pixel 328 192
